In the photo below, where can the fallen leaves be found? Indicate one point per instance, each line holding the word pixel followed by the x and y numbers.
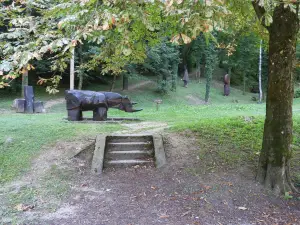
pixel 164 216
pixel 22 207
pixel 186 213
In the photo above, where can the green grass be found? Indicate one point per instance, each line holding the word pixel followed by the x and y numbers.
pixel 220 122
pixel 22 138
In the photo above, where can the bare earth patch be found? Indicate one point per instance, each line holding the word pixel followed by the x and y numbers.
pixel 193 100
pixel 49 104
pixel 188 190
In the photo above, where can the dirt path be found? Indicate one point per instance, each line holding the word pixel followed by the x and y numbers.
pixel 188 190
pixel 49 104
pixel 140 84
pixel 193 100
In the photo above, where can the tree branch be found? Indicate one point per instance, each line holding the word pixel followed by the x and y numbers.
pixel 260 12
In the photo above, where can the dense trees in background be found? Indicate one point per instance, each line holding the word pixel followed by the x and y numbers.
pixel 58 29
pixel 162 61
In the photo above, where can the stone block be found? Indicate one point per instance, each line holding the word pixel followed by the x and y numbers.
pixel 39 107
pixel 19 105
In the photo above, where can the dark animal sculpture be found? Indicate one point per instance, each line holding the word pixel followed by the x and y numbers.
pixel 98 102
pixel 226 85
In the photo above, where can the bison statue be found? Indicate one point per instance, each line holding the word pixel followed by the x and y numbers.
pixel 98 102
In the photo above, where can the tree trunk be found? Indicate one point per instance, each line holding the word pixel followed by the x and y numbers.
pixel 210 62
pixel 174 76
pixel 113 83
pixel 24 80
pixel 72 61
pixel 229 71
pixel 274 162
pixel 80 74
pixel 244 84
pixel 259 72
pixel 125 81
pixel 198 73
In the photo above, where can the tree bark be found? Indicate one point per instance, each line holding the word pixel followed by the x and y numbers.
pixel 274 162
pixel 198 73
pixel 259 72
pixel 210 62
pixel 113 83
pixel 174 76
pixel 244 84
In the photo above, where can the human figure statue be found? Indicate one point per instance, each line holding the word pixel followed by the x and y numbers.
pixel 226 85
pixel 185 77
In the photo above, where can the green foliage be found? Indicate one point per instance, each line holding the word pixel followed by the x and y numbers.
pixel 211 55
pixel 162 61
pixel 297 93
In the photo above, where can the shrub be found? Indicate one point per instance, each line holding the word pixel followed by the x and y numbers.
pixel 297 93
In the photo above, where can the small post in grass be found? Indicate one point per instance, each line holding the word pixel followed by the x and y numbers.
pixel 158 102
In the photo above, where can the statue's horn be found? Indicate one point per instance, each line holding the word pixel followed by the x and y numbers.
pixel 136 110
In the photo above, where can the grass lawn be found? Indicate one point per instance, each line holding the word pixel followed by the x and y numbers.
pixel 235 119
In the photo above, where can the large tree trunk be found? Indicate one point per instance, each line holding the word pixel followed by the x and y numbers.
pixel 274 162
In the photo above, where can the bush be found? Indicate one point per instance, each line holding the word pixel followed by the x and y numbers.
pixel 297 93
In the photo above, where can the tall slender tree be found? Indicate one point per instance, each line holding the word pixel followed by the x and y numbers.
pixel 259 72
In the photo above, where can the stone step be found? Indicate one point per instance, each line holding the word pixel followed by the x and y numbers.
pixel 130 154
pixel 127 163
pixel 128 138
pixel 127 146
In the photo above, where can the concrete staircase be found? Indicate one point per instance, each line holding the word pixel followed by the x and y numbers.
pixel 128 151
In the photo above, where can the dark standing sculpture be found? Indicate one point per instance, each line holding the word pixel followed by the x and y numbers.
pixel 98 102
pixel 185 77
pixel 27 104
pixel 226 85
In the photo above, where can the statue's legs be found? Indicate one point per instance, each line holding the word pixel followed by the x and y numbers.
pixel 100 114
pixel 80 115
pixel 74 114
pixel 226 89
